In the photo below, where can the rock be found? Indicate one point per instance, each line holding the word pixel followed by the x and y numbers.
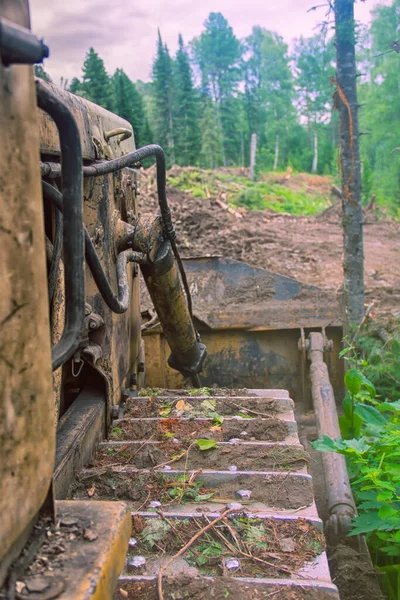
pixel 37 584
pixel 287 545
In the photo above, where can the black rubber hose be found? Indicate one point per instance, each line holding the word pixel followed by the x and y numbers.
pixel 118 304
pixel 55 261
pixel 128 160
pixel 73 243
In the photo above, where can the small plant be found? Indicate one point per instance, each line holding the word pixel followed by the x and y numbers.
pixel 187 490
pixel 150 392
pixel 204 391
pixel 116 432
pixel 206 444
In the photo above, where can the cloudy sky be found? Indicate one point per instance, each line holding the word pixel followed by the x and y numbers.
pixel 124 32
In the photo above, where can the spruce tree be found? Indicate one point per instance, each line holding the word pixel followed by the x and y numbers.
pixel 41 73
pixel 187 132
pixel 128 104
pixel 163 93
pixel 96 83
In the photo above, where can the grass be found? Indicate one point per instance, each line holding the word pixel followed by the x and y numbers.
pixel 303 195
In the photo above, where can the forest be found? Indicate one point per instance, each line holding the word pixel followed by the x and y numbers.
pixel 203 104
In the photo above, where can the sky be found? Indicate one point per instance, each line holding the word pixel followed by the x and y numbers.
pixel 124 32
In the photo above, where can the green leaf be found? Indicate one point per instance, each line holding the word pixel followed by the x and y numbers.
pixel 218 420
pixel 370 415
pixel 345 351
pixel 202 497
pixel 369 386
pixel 353 380
pixel 347 406
pixel 366 522
pixel 395 406
pixel 208 405
pixel 327 444
pixel 358 445
pixel 206 444
pixel 387 511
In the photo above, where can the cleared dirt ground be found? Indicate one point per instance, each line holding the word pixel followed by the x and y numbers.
pixel 309 249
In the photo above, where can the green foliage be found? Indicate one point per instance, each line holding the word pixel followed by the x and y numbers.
pixel 262 196
pixel 128 104
pixel 380 115
pixel 186 103
pixel 41 73
pixel 206 444
pixel 96 85
pixel 268 95
pixel 204 391
pixel 163 93
pixel 185 490
pixel 370 440
pixel 217 54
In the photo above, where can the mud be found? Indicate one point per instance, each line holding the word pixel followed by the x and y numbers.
pixel 268 429
pixel 276 549
pixel 141 487
pixel 354 575
pixel 156 406
pixel 200 589
pixel 250 457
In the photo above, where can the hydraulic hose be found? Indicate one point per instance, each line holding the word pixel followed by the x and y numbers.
pixel 117 303
pixel 73 243
pixel 128 160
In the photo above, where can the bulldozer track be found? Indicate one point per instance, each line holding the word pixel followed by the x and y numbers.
pixel 197 514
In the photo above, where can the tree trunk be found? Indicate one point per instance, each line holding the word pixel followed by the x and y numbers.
pixel 276 159
pixel 253 150
pixel 315 157
pixel 346 100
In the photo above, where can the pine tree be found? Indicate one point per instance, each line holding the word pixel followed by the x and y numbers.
pixel 96 84
pixel 41 73
pixel 128 104
pixel 187 132
pixel 163 93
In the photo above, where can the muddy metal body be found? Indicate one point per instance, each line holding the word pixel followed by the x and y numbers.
pixel 70 303
pixel 251 321
pixel 72 351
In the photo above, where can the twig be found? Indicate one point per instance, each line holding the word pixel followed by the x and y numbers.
pixel 170 461
pixel 365 317
pixel 168 522
pixel 246 554
pixel 241 408
pixel 186 547
pixel 144 503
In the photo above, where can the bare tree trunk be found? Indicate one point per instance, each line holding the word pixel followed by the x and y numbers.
pixel 253 149
pixel 276 159
pixel 346 101
pixel 315 157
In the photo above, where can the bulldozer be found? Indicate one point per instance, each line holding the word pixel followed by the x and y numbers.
pixel 160 458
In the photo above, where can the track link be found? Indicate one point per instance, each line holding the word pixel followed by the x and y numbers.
pixel 269 544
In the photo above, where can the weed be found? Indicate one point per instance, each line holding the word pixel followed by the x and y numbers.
pixel 150 392
pixel 116 432
pixel 204 391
